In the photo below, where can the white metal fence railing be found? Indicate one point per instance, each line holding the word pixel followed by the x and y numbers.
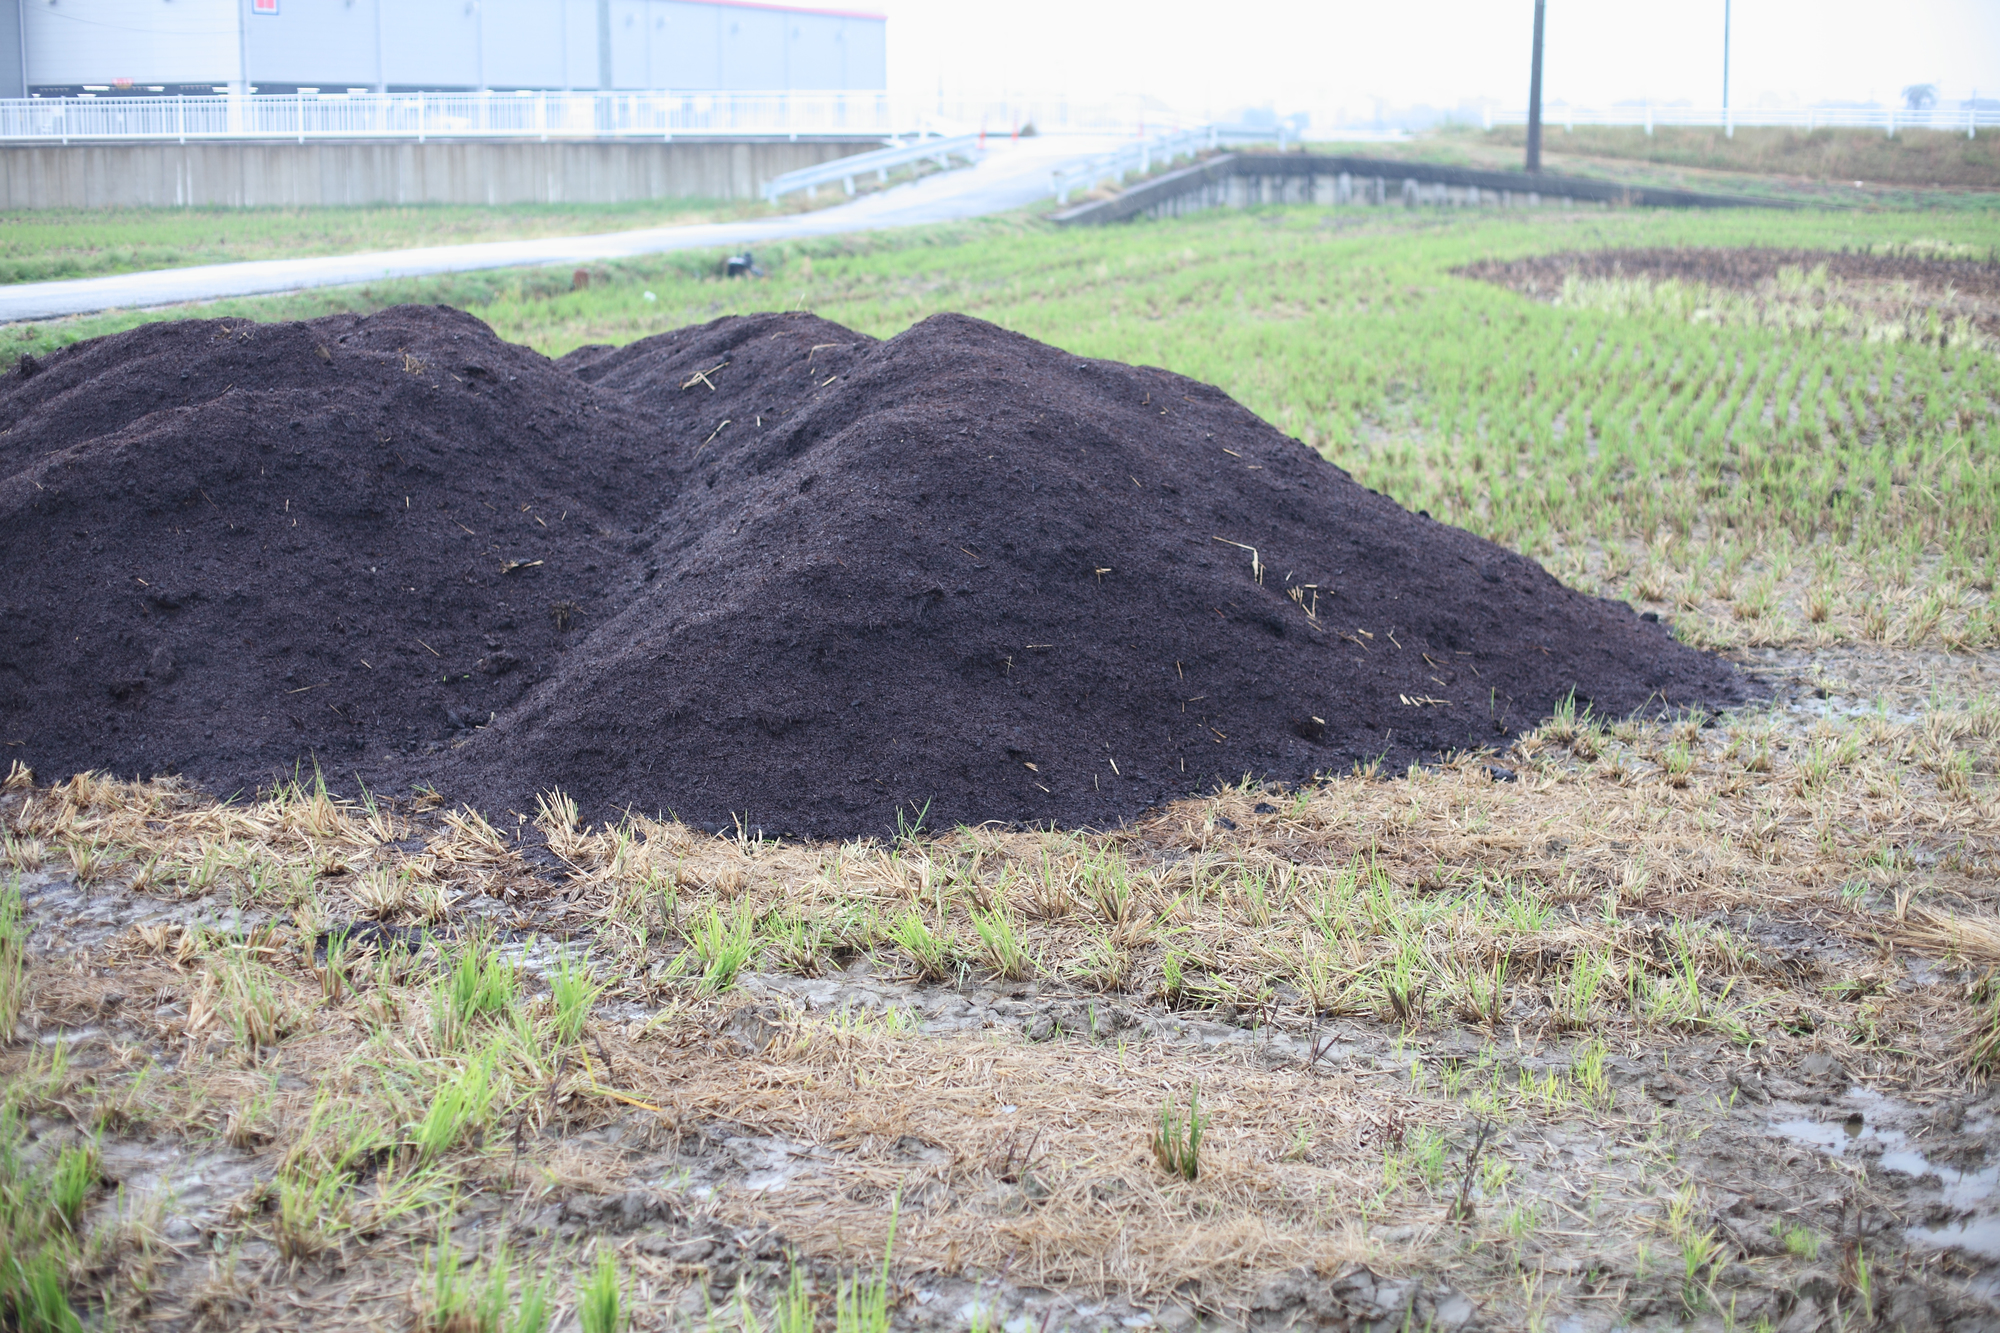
pixel 1956 120
pixel 546 115
pixel 552 115
pixel 880 163
pixel 1158 150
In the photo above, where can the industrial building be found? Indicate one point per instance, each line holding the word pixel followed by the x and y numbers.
pixel 111 48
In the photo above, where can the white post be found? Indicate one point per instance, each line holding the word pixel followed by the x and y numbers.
pixel 301 97
pixel 1728 122
pixel 1486 115
pixel 1892 120
pixel 1649 118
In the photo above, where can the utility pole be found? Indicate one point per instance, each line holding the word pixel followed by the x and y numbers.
pixel 1535 98
pixel 1728 127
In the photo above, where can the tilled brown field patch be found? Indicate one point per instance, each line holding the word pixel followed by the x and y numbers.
pixel 1908 293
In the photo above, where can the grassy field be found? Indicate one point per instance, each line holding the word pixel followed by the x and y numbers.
pixel 1827 169
pixel 1913 157
pixel 40 245
pixel 1573 1045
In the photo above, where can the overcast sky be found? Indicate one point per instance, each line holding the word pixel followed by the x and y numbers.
pixel 1301 54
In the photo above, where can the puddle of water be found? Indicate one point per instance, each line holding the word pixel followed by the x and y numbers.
pixel 1858 1126
pixel 1832 1137
pixel 1963 1190
pixel 1979 1235
pixel 1829 1138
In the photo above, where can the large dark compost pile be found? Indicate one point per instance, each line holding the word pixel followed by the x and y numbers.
pixel 766 568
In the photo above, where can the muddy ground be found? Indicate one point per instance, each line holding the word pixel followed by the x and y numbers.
pixel 1771 1108
pixel 1917 293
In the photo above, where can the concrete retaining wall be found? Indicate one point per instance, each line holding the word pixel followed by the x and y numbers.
pixel 1242 180
pixel 244 175
pixel 1249 191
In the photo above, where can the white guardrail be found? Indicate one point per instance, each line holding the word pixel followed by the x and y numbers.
pixel 420 116
pixel 1962 120
pixel 881 162
pixel 656 113
pixel 1144 155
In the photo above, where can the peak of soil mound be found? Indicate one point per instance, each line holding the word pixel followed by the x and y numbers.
pixel 788 574
pixel 229 548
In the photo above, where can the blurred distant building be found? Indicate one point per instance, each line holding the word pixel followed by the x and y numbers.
pixel 163 47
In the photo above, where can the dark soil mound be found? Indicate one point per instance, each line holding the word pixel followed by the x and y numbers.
pixel 789 573
pixel 226 548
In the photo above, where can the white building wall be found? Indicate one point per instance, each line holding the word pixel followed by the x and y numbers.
pixel 13 69
pixel 689 48
pixel 631 60
pixel 425 43
pixel 580 44
pixel 753 48
pixel 319 43
pixel 340 44
pixel 816 50
pixel 524 43
pixel 78 42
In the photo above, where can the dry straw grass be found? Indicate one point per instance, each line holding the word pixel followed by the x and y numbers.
pixel 1082 1203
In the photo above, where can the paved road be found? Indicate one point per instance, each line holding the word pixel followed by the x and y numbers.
pixel 1011 176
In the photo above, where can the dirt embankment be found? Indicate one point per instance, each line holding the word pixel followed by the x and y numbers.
pixel 1918 157
pixel 767 569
